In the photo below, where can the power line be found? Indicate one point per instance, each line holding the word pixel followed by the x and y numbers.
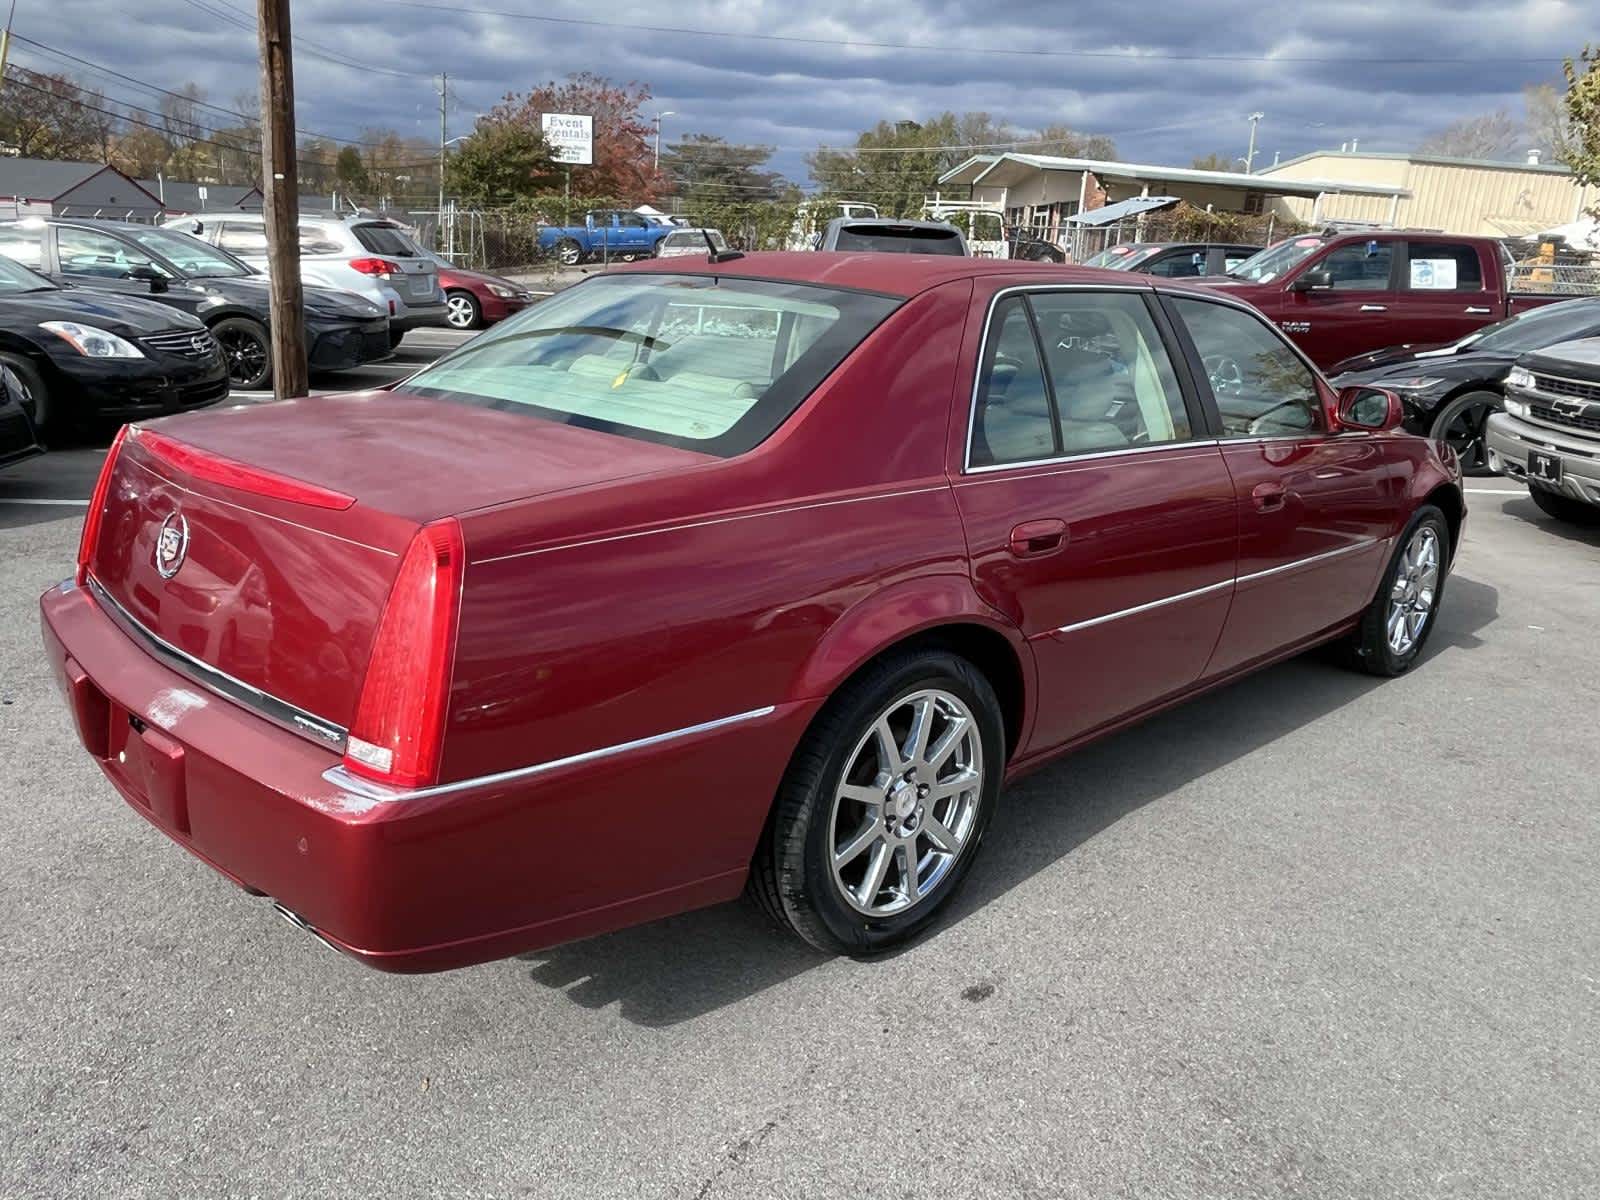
pixel 942 48
pixel 233 16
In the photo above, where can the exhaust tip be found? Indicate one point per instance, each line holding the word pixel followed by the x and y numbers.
pixel 304 926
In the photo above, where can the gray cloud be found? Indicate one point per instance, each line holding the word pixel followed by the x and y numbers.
pixel 795 95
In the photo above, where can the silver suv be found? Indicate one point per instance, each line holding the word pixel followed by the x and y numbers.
pixel 370 256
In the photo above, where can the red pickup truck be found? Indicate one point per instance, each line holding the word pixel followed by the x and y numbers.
pixel 1339 294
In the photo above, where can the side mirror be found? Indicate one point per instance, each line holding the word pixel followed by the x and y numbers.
pixel 1318 280
pixel 1376 410
pixel 156 280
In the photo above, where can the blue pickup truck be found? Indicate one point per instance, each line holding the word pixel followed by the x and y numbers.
pixel 608 233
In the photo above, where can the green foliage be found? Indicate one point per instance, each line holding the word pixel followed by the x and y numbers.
pixel 1186 223
pixel 1583 119
pixel 501 161
pixel 706 168
pixel 350 171
pixel 896 165
pixel 748 224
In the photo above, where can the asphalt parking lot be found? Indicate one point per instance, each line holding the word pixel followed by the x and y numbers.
pixel 1312 935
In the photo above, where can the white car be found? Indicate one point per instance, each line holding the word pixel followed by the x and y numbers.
pixel 681 242
pixel 370 256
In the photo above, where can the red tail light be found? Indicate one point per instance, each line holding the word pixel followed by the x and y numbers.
pixel 399 726
pixel 374 266
pixel 97 507
pixel 242 477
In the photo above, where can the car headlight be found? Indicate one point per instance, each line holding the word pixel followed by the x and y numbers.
pixel 92 342
pixel 503 292
pixel 1417 383
pixel 1520 377
pixel 1515 407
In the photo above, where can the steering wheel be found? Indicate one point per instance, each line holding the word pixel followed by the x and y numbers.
pixel 1225 376
pixel 1262 425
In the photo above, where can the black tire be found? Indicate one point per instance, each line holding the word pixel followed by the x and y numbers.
pixel 1565 508
pixel 36 396
pixel 396 336
pixel 1460 424
pixel 247 350
pixel 1368 648
pixel 792 877
pixel 462 310
pixel 568 252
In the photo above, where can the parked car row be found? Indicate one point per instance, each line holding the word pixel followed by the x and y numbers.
pixel 122 284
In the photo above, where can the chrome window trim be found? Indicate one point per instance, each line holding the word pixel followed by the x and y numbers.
pixel 280 712
pixel 1091 456
pixel 1151 605
pixel 983 348
pixel 368 790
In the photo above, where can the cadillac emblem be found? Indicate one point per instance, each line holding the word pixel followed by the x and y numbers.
pixel 172 544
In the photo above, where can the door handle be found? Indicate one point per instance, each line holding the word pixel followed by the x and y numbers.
pixel 1478 310
pixel 1374 308
pixel 1268 497
pixel 1035 539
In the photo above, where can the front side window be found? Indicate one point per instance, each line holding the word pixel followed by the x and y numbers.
pixel 708 364
pixel 1107 381
pixel 189 254
pixel 98 255
pixel 1443 267
pixel 1360 266
pixel 1261 386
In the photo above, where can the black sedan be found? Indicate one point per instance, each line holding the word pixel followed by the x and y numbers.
pixel 1450 390
pixel 17 437
pixel 78 355
pixel 166 265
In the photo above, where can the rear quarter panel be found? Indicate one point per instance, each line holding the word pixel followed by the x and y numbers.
pixel 608 614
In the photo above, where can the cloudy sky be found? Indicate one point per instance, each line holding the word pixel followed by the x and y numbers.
pixel 1167 80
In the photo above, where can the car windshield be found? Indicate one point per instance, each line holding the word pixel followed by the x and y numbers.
pixel 713 364
pixel 387 239
pixel 1135 256
pixel 1109 256
pixel 1538 328
pixel 904 239
pixel 16 278
pixel 194 258
pixel 1272 262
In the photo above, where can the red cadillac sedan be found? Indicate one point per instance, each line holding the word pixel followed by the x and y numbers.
pixel 765 572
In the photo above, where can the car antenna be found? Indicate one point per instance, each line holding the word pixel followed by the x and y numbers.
pixel 715 255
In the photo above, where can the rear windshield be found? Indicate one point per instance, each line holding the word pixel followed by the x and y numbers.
pixel 387 239
pixel 713 364
pixel 903 239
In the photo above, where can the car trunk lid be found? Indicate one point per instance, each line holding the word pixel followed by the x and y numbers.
pixel 260 544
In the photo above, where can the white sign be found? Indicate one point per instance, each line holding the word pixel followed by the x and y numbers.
pixel 1433 274
pixel 571 137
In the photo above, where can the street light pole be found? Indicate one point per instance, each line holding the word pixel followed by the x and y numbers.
pixel 1250 154
pixel 659 115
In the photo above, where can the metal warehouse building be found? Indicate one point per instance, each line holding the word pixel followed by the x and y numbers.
pixel 1456 195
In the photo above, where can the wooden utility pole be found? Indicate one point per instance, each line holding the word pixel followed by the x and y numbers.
pixel 281 187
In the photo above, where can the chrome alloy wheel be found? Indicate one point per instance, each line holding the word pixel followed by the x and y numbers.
pixel 1416 586
pixel 907 803
pixel 460 311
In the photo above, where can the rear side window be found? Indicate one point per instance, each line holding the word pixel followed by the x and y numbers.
pixel 1443 267
pixel 1179 266
pixel 1107 382
pixel 23 245
pixel 1261 386
pixel 903 239
pixel 242 239
pixel 385 239
pixel 1360 266
pixel 708 364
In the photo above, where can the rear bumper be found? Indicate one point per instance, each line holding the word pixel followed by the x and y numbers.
pixel 1510 438
pixel 335 347
pixel 419 316
pixel 425 881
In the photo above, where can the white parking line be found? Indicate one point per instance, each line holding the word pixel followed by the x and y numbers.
pixel 1496 491
pixel 42 503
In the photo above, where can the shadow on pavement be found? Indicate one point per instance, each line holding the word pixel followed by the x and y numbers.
pixel 1525 509
pixel 686 966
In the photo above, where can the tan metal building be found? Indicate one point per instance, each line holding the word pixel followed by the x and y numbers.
pixel 1455 195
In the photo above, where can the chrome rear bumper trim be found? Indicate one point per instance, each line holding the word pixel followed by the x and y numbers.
pixel 279 712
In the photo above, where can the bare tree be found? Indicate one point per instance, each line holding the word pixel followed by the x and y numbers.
pixel 1549 125
pixel 1491 135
